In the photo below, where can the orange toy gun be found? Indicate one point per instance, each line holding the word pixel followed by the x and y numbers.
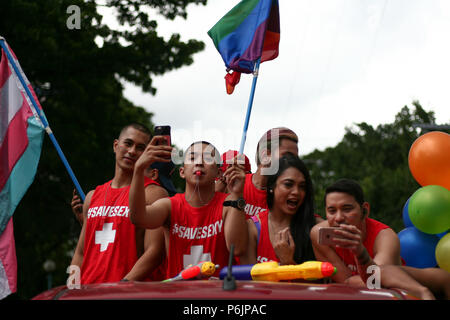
pixel 272 271
pixel 201 270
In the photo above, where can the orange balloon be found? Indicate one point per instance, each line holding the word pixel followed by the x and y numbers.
pixel 429 159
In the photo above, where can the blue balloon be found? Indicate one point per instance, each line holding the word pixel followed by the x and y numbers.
pixel 418 248
pixel 441 235
pixel 406 220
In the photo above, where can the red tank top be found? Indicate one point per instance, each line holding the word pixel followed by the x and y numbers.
pixel 110 241
pixel 373 228
pixel 255 198
pixel 196 234
pixel 265 251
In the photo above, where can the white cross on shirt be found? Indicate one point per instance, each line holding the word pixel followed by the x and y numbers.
pixel 105 236
pixel 196 256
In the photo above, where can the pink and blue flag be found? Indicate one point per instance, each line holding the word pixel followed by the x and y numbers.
pixel 21 136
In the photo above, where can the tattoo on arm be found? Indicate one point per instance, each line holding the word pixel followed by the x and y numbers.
pixel 363 261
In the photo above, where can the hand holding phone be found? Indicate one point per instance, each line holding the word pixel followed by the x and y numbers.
pixel 326 235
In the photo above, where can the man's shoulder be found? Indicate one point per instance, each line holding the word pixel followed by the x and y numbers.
pixel 316 227
pixel 375 225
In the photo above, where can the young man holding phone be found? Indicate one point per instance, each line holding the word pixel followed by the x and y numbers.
pixel 353 242
pixel 201 224
pixel 110 248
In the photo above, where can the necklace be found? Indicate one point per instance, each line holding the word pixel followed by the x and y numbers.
pixel 117 198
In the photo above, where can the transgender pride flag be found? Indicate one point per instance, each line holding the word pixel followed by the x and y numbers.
pixel 21 135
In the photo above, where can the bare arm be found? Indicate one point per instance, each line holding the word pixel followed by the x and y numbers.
pixel 386 248
pixel 235 226
pixel 77 258
pixel 151 240
pixel 250 255
pixel 152 256
pixel 143 215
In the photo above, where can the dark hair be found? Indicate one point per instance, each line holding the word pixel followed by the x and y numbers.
pixel 348 186
pixel 277 134
pixel 303 220
pixel 217 158
pixel 137 126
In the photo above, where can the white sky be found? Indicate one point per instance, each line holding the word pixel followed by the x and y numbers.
pixel 341 62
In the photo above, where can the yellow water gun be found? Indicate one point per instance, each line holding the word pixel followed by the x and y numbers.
pixel 272 271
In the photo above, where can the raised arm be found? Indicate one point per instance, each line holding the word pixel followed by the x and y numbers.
pixel 143 215
pixel 235 226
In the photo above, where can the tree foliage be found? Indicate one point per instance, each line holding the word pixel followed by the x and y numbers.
pixel 378 159
pixel 78 75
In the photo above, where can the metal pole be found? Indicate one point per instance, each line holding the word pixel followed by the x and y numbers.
pixel 249 107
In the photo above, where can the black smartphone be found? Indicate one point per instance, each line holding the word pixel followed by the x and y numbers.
pixel 165 132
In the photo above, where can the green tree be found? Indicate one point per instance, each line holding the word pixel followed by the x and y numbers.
pixel 78 75
pixel 378 159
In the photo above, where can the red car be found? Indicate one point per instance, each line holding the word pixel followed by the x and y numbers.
pixel 213 290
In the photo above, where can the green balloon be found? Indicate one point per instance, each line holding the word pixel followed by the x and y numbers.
pixel 429 209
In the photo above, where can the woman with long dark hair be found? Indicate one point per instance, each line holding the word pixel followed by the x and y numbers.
pixel 282 232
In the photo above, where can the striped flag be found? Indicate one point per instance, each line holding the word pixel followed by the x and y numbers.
pixel 248 32
pixel 21 135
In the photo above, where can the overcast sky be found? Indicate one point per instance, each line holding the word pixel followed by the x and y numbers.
pixel 341 62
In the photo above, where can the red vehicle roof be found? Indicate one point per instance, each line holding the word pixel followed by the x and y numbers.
pixel 212 289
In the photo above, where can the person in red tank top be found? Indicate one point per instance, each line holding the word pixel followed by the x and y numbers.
pixel 110 248
pixel 282 232
pixel 199 225
pixel 274 144
pixel 361 242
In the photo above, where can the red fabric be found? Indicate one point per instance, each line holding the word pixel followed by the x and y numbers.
pixel 265 251
pixel 231 80
pixel 196 234
pixel 108 215
pixel 373 228
pixel 255 198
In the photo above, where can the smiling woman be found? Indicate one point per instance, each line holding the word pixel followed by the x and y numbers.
pixel 282 232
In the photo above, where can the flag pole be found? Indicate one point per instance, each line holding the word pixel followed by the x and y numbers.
pixel 42 118
pixel 249 107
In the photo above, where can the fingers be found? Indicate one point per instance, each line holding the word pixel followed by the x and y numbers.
pixel 284 236
pixel 155 153
pixel 348 232
pixel 159 141
pixel 347 237
pixel 76 204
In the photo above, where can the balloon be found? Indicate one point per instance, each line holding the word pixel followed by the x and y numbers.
pixel 406 220
pixel 429 159
pixel 429 209
pixel 443 253
pixel 418 248
pixel 441 235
